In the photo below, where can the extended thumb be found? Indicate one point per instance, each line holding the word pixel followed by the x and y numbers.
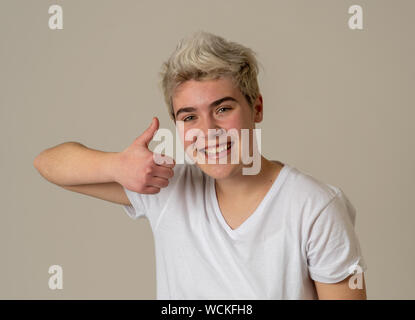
pixel 147 135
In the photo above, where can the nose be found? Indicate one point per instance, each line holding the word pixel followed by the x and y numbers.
pixel 211 130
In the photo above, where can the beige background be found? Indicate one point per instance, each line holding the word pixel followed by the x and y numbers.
pixel 339 105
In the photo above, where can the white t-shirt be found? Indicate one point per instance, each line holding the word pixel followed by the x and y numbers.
pixel 303 230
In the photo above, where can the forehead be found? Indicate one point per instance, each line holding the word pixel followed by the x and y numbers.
pixel 199 93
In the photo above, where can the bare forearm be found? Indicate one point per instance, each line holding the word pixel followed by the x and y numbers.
pixel 72 163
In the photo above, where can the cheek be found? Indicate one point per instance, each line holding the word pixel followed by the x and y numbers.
pixel 186 144
pixel 237 122
pixel 192 135
pixel 240 123
pixel 234 122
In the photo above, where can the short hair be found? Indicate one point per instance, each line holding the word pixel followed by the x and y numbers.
pixel 205 56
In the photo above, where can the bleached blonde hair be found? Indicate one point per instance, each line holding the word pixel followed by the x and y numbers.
pixel 205 56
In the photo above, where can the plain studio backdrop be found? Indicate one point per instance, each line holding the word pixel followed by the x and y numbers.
pixel 338 104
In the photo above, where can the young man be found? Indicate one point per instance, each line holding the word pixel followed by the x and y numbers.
pixel 220 233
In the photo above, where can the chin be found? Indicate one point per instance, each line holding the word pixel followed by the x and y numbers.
pixel 219 171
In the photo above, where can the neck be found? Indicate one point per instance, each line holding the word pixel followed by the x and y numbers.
pixel 245 185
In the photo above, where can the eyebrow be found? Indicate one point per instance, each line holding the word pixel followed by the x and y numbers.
pixel 213 104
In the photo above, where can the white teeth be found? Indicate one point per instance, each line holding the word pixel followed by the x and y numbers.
pixel 214 150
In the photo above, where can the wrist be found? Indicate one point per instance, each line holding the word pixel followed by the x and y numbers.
pixel 112 166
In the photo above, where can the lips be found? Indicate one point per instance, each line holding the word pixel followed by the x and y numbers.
pixel 218 148
pixel 212 151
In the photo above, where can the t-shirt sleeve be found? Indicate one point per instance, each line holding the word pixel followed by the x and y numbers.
pixel 136 209
pixel 151 206
pixel 333 249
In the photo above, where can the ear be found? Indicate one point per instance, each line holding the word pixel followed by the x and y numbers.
pixel 258 109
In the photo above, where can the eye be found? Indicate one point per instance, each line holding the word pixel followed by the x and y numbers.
pixel 224 109
pixel 188 118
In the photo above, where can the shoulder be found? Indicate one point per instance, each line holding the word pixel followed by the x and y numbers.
pixel 318 208
pixel 311 195
pixel 308 188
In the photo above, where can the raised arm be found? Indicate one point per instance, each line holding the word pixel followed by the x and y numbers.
pixel 100 174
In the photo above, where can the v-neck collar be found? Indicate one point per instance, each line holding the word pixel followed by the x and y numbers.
pixel 235 233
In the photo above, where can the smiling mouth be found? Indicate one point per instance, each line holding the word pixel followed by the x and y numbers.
pixel 214 151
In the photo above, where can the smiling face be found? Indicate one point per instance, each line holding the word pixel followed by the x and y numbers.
pixel 216 105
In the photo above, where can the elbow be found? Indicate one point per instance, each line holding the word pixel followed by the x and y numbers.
pixel 40 164
pixel 36 162
pixel 40 160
